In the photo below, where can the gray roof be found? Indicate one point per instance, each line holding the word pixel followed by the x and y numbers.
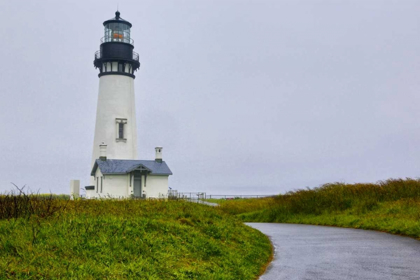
pixel 124 166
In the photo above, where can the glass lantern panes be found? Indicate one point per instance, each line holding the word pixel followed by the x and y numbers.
pixel 117 32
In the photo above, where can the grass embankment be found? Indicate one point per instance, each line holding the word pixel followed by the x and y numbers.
pixel 392 206
pixel 43 238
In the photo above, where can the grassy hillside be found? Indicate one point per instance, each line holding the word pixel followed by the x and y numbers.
pixel 392 206
pixel 42 238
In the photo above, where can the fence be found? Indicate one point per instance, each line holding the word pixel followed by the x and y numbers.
pixel 235 196
pixel 203 195
pixel 187 196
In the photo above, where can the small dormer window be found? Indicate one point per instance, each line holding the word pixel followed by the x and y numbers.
pixel 121 134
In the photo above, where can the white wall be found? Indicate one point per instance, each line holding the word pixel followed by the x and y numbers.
pixel 90 194
pixel 156 186
pixel 118 186
pixel 115 100
pixel 95 181
pixel 74 189
pixel 113 186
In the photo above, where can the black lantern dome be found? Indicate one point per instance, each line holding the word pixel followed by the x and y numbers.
pixel 116 56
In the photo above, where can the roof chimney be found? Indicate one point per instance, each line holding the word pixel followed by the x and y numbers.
pixel 102 151
pixel 158 154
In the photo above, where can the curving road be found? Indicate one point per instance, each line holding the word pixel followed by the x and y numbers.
pixel 318 252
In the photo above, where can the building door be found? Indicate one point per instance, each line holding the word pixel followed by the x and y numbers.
pixel 137 186
pixel 140 183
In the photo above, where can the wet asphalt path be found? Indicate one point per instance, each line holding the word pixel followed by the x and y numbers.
pixel 318 252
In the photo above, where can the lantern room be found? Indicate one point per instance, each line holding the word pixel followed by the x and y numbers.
pixel 117 30
pixel 116 55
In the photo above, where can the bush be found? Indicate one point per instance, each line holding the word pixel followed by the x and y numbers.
pixel 392 205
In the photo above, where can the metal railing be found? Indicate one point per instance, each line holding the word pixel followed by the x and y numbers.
pixel 203 195
pixel 236 196
pixel 190 195
pixel 98 55
pixel 122 40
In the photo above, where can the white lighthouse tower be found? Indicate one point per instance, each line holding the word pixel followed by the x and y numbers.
pixel 116 170
pixel 116 115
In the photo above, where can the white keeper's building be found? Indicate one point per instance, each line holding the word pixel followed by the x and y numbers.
pixel 116 170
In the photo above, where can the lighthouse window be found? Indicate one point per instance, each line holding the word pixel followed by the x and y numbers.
pixel 120 67
pixel 120 129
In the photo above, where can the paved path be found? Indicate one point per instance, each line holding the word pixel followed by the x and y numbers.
pixel 318 252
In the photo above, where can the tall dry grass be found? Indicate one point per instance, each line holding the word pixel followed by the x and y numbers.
pixel 392 206
pixel 23 205
pixel 239 206
pixel 339 196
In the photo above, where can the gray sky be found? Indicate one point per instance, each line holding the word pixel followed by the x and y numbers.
pixel 246 97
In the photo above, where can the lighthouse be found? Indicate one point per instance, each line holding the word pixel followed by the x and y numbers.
pixel 115 114
pixel 116 170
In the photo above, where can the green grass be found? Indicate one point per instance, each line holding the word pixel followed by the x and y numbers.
pixel 246 205
pixel 392 206
pixel 43 238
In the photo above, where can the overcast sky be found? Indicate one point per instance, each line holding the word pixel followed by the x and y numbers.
pixel 246 97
